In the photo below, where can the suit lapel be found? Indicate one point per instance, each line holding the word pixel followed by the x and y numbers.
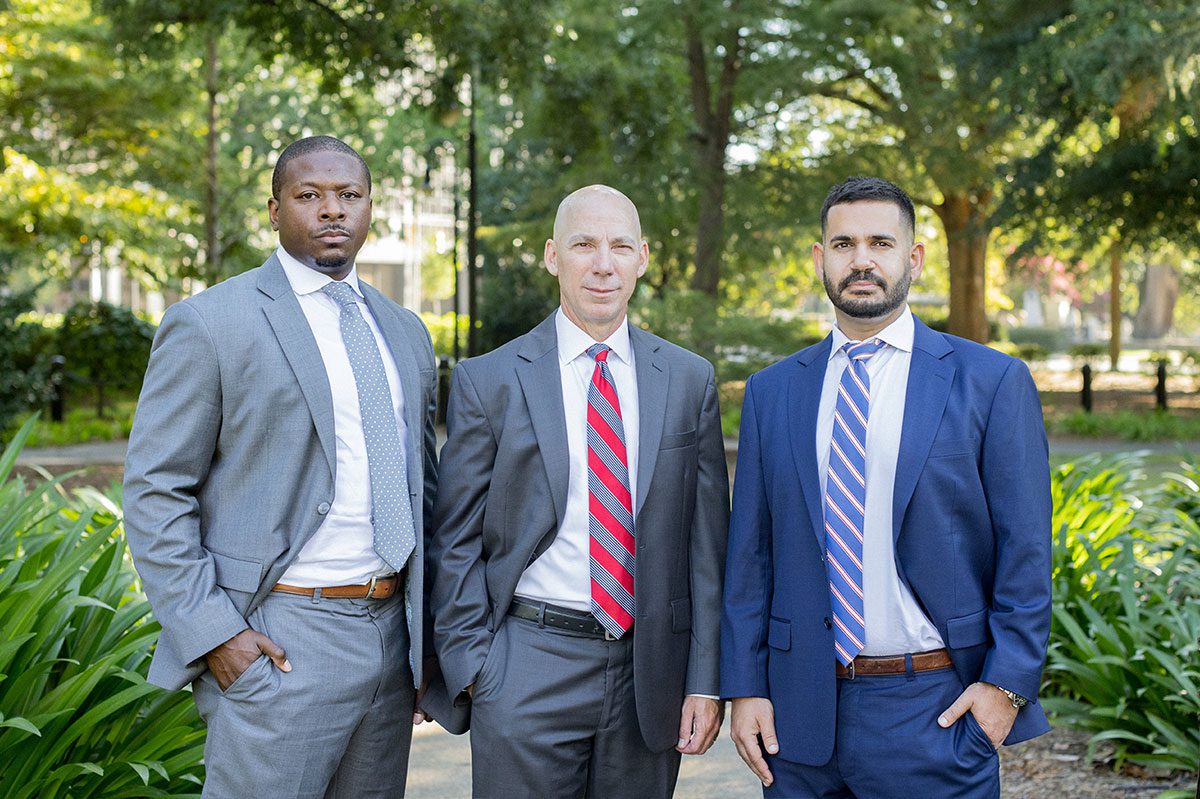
pixel 930 376
pixel 541 383
pixel 653 377
pixel 804 399
pixel 300 348
pixel 405 356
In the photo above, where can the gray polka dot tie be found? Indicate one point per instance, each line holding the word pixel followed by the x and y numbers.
pixel 391 509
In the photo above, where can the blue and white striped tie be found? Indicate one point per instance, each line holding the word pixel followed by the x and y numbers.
pixel 846 499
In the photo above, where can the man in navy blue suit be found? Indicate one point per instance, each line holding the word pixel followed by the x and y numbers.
pixel 887 588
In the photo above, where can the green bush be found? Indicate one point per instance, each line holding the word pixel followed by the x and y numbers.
pixel 77 717
pixel 1050 339
pixel 737 344
pixel 24 365
pixel 106 347
pixel 1128 425
pixel 1124 657
pixel 1088 351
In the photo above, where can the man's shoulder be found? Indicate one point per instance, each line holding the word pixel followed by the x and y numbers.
pixel 226 298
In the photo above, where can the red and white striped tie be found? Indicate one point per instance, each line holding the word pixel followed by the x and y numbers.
pixel 610 504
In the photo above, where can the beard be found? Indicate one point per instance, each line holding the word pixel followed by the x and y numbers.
pixel 868 308
pixel 332 264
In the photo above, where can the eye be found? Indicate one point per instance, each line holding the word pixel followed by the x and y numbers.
pixel 307 195
pixel 884 244
pixel 350 195
pixel 841 245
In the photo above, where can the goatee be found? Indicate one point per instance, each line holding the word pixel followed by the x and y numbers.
pixel 868 308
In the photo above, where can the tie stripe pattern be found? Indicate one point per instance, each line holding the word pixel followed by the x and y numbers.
pixel 391 508
pixel 845 500
pixel 610 504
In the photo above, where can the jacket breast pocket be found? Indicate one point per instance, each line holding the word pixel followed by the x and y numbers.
pixel 238 574
pixel 951 447
pixel 676 440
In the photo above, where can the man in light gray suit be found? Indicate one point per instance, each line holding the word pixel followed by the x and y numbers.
pixel 580 539
pixel 280 472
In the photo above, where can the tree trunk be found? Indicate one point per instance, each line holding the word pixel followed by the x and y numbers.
pixel 963 218
pixel 1114 304
pixel 212 241
pixel 1156 302
pixel 714 121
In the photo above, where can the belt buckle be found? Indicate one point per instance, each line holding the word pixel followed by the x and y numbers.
pixel 607 635
pixel 371 587
pixel 850 670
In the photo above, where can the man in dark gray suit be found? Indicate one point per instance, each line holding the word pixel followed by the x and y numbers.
pixel 280 471
pixel 580 536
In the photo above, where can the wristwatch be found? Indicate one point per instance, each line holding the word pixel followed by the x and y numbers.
pixel 1017 700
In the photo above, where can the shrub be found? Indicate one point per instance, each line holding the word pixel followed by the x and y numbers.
pixel 77 717
pixel 1089 351
pixel 1124 650
pixel 24 366
pixel 106 346
pixel 1050 339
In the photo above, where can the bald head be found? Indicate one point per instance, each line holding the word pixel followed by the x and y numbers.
pixel 597 254
pixel 592 199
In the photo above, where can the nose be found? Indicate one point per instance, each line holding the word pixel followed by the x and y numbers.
pixel 863 259
pixel 331 207
pixel 602 262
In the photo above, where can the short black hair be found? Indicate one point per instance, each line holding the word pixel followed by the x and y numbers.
pixel 857 188
pixel 313 144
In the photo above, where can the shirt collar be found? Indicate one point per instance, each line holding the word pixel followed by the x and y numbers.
pixel 898 334
pixel 308 281
pixel 573 342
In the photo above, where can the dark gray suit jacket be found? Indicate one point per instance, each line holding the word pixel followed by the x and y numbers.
pixel 231 459
pixel 504 491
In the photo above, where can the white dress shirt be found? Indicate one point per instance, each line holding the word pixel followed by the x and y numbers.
pixel 562 575
pixel 342 550
pixel 895 623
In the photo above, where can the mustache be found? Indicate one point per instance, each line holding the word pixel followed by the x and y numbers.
pixel 869 277
pixel 332 229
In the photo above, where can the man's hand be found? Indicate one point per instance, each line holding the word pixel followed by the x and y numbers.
pixel 427 666
pixel 990 707
pixel 230 659
pixel 699 724
pixel 751 717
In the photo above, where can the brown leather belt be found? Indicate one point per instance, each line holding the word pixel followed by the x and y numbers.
pixel 378 588
pixel 872 666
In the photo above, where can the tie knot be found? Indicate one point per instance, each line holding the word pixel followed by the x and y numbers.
pixel 599 352
pixel 862 350
pixel 341 292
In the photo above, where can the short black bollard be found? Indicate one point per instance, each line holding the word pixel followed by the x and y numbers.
pixel 1160 388
pixel 1086 394
pixel 443 389
pixel 57 389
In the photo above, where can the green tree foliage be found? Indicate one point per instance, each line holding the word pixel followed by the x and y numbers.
pixel 24 380
pixel 77 717
pixel 106 347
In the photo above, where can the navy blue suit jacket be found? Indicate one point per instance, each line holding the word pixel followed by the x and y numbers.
pixel 971 515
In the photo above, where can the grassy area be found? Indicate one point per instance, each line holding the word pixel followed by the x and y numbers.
pixel 81 425
pixel 1128 426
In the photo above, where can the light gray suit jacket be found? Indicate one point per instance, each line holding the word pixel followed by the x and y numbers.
pixel 504 492
pixel 231 459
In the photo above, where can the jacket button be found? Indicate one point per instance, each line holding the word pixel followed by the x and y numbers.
pixel 323 508
pixel 828 624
